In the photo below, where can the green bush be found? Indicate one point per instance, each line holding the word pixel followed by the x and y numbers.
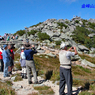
pixel 43 36
pixel 62 25
pixel 20 32
pixel 67 22
pixel 81 36
pixel 84 21
pixel 32 32
pixel 58 42
pixel 91 25
pixel 76 21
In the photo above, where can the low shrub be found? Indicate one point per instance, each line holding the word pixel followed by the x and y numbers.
pixel 20 32
pixel 32 32
pixel 62 25
pixel 77 21
pixel 43 36
pixel 58 42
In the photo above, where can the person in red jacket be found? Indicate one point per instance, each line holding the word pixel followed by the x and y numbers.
pixel 12 55
pixel 1 59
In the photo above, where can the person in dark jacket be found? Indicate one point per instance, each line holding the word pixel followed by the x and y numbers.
pixel 30 65
pixel 11 64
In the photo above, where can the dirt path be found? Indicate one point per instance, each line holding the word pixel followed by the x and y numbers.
pixel 23 88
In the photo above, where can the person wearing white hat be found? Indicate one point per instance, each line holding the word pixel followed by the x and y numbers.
pixel 65 68
pixel 23 62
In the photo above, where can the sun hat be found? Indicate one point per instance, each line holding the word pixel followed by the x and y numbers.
pixel 63 45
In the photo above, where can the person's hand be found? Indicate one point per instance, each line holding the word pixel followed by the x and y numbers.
pixel 33 46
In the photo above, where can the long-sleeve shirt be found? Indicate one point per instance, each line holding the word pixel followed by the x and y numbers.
pixel 29 54
pixel 5 56
pixel 22 55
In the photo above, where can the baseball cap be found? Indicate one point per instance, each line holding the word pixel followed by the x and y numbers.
pixel 4 46
pixel 63 45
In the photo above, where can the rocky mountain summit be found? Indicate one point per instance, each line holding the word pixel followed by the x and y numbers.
pixel 61 30
pixel 49 34
pixel 76 32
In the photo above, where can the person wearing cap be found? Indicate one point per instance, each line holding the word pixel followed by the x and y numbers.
pixel 65 68
pixel 23 62
pixel 5 60
pixel 30 65
pixel 27 45
pixel 1 59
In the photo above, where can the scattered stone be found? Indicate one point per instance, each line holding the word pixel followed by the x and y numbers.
pixel 13 78
pixel 51 55
pixel 85 62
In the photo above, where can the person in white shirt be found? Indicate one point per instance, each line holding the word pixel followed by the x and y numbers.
pixel 23 62
pixel 65 68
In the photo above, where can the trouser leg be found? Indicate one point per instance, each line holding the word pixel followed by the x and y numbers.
pixel 25 73
pixel 62 82
pixel 2 64
pixel 5 70
pixel 68 77
pixel 28 70
pixel 34 71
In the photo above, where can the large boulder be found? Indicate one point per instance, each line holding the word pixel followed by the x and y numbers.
pixel 56 38
pixel 49 32
pixel 91 35
pixel 87 63
pixel 82 48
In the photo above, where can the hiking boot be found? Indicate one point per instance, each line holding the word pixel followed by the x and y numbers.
pixel 36 82
pixel 30 82
pixel 22 75
pixel 25 77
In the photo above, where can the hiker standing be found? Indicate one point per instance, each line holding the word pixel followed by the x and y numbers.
pixel 12 52
pixel 1 59
pixel 27 45
pixel 30 65
pixel 65 68
pixel 23 62
pixel 5 60
pixel 11 64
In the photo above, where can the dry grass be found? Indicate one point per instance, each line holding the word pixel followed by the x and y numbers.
pixel 34 93
pixel 5 89
pixel 49 66
pixel 81 76
pixel 17 78
pixel 16 57
pixel 44 90
pixel 88 58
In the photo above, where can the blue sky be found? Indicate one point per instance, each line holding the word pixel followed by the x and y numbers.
pixel 16 14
